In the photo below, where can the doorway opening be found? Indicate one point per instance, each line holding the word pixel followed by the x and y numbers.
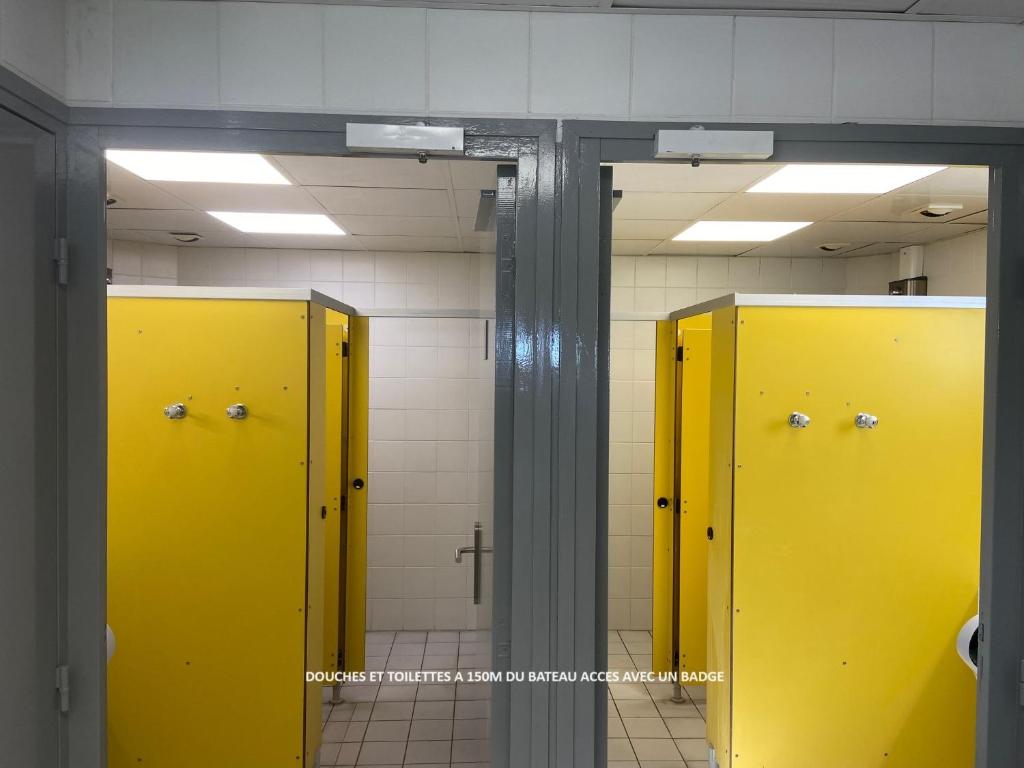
pixel 731 241
pixel 403 255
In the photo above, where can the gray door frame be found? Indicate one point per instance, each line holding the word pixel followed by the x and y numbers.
pixel 588 144
pixel 48 360
pixel 526 455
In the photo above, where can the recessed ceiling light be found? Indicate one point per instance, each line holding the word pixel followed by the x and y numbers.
pixel 843 179
pixel 210 167
pixel 739 231
pixel 280 223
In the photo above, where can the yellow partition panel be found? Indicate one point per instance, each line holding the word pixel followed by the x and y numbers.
pixel 207 532
pixel 334 480
pixel 855 551
pixel 358 446
pixel 317 519
pixel 719 574
pixel 694 405
pixel 664 494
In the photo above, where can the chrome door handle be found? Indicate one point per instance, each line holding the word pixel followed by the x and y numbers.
pixel 477 549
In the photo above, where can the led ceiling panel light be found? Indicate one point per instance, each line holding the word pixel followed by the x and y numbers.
pixel 739 231
pixel 207 167
pixel 280 223
pixel 843 179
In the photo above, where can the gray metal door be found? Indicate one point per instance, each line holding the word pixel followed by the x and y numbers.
pixel 29 424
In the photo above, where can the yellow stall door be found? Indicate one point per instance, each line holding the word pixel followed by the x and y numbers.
pixel 855 551
pixel 335 484
pixel 210 535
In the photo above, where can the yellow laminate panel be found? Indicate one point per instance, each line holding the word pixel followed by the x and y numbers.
pixel 856 551
pixel 695 407
pixel 720 502
pixel 206 532
pixel 664 482
pixel 358 446
pixel 317 520
pixel 333 478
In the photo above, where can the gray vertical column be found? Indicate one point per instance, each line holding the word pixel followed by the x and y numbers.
pixel 1001 650
pixel 87 465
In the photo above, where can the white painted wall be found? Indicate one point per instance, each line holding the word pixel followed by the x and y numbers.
pixel 252 55
pixel 954 268
pixel 32 41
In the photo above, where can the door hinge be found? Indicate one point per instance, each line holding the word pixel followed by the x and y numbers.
pixel 64 688
pixel 344 503
pixel 1020 683
pixel 679 507
pixel 344 349
pixel 679 354
pixel 675 659
pixel 60 260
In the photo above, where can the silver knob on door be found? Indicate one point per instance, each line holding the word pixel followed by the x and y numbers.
pixel 865 421
pixel 237 411
pixel 799 420
pixel 175 411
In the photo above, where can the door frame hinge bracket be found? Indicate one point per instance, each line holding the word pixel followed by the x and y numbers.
pixel 63 685
pixel 60 260
pixel 344 349
pixel 1020 683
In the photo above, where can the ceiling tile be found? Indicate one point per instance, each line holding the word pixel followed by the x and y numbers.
pixel 784 249
pixel 935 232
pixel 479 243
pixel 133 192
pixel 854 232
pixel 446 244
pixel 365 172
pixel 473 174
pixel 304 242
pixel 875 249
pixel 981 217
pixel 211 239
pixel 900 207
pixel 780 207
pixel 666 205
pixel 369 201
pixel 467 202
pixel 677 177
pixel 970 181
pixel 702 249
pixel 264 198
pixel 632 229
pixel 634 247
pixel 429 226
pixel 168 221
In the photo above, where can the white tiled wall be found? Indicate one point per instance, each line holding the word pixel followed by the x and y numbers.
pixel 431 469
pixel 32 41
pixel 660 284
pixel 666 283
pixel 954 268
pixel 622 66
pixel 431 437
pixel 142 263
pixel 363 279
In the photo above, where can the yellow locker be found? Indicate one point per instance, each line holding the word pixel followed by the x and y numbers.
pixel 845 552
pixel 216 524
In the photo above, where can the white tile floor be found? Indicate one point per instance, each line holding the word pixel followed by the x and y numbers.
pixel 437 725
